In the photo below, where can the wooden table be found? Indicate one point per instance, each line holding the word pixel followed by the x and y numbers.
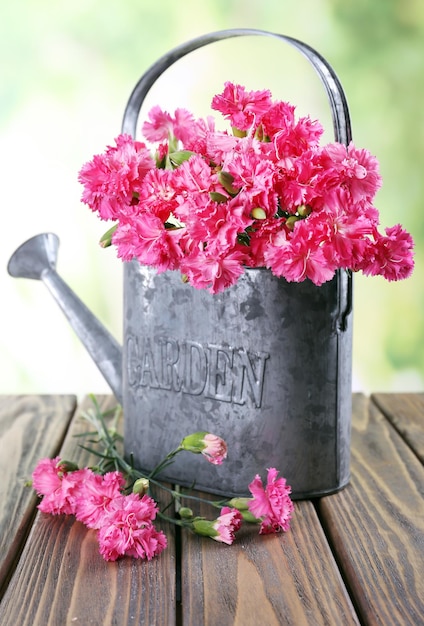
pixel 356 557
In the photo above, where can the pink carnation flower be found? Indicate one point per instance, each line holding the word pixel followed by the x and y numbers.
pixel 145 238
pixel 271 504
pixel 60 489
pixel 262 194
pixel 353 168
pixel 243 108
pixel 278 119
pixel 127 529
pixel 214 273
pixel 211 446
pixel 222 529
pixel 148 542
pixel 294 141
pixel 215 449
pixel 112 180
pixel 390 256
pixel 157 194
pixel 300 256
pixel 47 476
pixel 254 177
pixel 96 497
pixel 159 126
pixel 163 127
pixel 227 524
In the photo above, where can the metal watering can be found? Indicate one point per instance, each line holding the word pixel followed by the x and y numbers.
pixel 266 364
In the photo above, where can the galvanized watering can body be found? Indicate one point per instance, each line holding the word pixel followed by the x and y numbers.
pixel 265 364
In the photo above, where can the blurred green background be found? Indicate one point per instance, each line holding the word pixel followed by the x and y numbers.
pixel 67 69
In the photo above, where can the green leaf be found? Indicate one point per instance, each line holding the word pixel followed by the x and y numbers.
pixel 106 239
pixel 180 156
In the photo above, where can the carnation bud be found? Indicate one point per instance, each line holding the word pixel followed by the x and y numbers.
pixel 141 486
pixel 194 442
pixel 249 517
pixel 304 210
pixel 202 526
pixel 211 446
pixel 226 179
pixel 222 529
pixel 258 214
pixel 238 133
pixel 68 466
pixel 185 512
pixel 259 134
pixel 291 221
pixel 241 504
pixel 218 197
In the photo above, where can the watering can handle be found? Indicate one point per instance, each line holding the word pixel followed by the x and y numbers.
pixel 335 93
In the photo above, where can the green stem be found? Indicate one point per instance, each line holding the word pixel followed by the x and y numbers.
pixel 165 462
pixel 173 520
pixel 111 454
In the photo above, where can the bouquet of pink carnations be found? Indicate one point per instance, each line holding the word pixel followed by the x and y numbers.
pixel 209 203
pixel 120 503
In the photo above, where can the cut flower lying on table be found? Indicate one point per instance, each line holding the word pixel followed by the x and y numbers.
pixel 116 500
pixel 210 203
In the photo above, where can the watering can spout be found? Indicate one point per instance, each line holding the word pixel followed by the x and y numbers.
pixel 36 259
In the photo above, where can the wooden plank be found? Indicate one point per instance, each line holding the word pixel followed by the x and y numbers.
pixel 289 578
pixel 62 579
pixel 376 524
pixel 406 413
pixel 31 427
